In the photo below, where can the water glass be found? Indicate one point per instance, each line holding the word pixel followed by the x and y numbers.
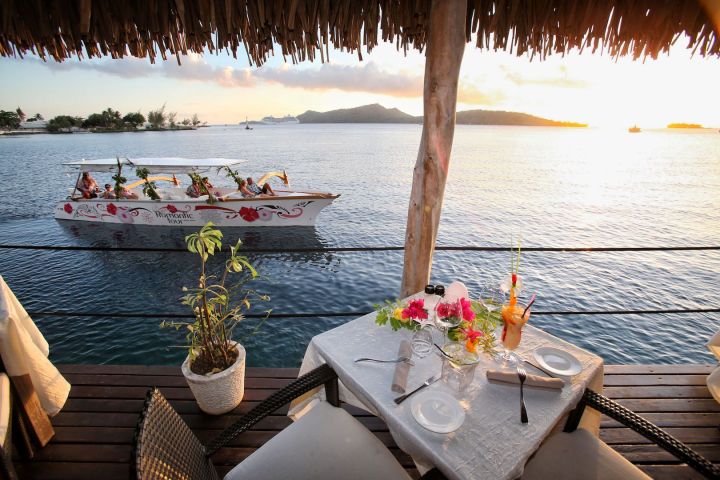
pixel 458 367
pixel 422 341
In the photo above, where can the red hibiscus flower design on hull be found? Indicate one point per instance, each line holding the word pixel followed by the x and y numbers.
pixel 112 209
pixel 68 208
pixel 171 209
pixel 249 214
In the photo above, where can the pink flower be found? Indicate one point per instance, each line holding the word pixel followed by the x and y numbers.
pixel 415 309
pixel 467 314
pixel 470 334
pixel 448 310
pixel 68 208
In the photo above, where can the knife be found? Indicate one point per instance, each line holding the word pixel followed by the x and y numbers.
pixel 429 381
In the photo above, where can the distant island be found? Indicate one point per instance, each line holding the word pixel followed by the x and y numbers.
pixel 376 113
pixel 684 125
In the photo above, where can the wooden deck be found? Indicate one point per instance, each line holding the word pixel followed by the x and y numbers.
pixel 94 431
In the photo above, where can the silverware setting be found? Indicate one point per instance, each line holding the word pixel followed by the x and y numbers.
pixel 427 382
pixel 522 374
pixel 395 360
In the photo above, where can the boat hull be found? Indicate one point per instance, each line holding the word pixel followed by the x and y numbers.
pixel 283 211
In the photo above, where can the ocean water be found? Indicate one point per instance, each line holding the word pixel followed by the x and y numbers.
pixel 553 187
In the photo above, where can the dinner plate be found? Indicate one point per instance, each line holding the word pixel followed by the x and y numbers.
pixel 437 411
pixel 557 361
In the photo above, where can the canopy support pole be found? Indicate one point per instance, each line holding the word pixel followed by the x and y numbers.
pixel 443 56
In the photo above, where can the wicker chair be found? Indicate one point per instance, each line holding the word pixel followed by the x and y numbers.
pixel 568 454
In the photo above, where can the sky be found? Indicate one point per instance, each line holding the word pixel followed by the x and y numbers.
pixel 588 88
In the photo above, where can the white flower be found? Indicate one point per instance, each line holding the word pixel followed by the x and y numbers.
pixel 507 284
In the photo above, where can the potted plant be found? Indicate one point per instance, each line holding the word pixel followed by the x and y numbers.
pixel 215 365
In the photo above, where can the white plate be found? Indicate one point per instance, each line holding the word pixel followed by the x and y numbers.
pixel 437 411
pixel 557 361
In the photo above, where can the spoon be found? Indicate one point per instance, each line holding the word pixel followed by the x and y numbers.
pixel 442 351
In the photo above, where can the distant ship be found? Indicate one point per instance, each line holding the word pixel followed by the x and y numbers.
pixel 634 129
pixel 279 121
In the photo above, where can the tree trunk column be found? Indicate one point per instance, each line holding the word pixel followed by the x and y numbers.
pixel 443 56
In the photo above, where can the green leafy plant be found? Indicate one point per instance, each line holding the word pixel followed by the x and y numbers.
pixel 234 175
pixel 119 179
pixel 217 308
pixel 148 186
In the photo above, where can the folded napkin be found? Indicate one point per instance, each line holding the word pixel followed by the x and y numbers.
pixel 530 381
pixel 402 368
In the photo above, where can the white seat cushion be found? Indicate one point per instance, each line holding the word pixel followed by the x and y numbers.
pixel 579 455
pixel 325 443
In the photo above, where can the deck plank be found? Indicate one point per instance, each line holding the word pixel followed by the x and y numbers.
pixel 94 432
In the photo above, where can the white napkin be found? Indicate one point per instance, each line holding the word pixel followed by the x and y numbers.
pixel 24 351
pixel 402 369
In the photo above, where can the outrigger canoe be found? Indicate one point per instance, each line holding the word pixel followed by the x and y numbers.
pixel 227 207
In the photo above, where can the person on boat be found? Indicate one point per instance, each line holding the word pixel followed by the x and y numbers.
pixel 255 189
pixel 128 194
pixel 108 193
pixel 88 186
pixel 194 191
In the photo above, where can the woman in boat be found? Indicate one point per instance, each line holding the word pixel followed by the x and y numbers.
pixel 88 186
pixel 108 193
pixel 193 191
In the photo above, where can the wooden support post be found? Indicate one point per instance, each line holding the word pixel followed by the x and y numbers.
pixel 443 56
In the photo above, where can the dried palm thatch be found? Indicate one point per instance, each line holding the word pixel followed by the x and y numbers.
pixel 303 28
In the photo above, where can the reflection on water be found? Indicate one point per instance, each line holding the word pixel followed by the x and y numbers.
pixel 557 187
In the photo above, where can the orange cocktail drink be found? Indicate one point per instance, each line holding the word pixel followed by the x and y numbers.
pixel 514 321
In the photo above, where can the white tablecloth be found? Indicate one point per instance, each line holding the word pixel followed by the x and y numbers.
pixel 491 443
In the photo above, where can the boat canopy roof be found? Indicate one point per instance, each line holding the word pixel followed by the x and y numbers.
pixel 154 165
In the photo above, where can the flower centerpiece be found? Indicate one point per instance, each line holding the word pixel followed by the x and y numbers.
pixel 474 324
pixel 399 314
pixel 215 365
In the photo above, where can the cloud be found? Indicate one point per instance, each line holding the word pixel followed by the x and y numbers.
pixel 472 95
pixel 560 79
pixel 361 78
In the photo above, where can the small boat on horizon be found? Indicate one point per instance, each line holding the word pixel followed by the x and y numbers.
pixel 247 125
pixel 634 129
pixel 226 207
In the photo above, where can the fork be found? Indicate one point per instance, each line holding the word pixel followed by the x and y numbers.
pixel 522 374
pixel 396 360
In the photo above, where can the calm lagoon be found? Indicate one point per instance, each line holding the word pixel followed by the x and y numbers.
pixel 555 187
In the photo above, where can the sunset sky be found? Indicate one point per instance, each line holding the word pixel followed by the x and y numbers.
pixel 589 88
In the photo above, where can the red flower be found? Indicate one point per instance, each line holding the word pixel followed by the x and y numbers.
pixel 112 209
pixel 68 208
pixel 416 309
pixel 467 313
pixel 514 280
pixel 171 209
pixel 249 214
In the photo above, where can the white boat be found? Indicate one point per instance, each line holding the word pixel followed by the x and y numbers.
pixel 175 207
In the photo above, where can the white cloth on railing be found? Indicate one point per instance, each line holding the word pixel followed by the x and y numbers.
pixel 713 380
pixel 24 351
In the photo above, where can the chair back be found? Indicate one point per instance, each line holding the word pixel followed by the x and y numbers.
pixel 165 447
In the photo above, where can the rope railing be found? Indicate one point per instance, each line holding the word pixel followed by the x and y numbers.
pixel 449 248
pixel 359 313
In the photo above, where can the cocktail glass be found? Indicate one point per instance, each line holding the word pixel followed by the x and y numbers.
pixel 513 323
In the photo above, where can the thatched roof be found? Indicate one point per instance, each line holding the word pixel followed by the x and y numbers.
pixel 305 28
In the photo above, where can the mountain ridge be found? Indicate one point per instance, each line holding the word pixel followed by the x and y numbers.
pixel 376 113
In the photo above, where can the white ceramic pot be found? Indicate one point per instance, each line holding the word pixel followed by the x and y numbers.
pixel 220 392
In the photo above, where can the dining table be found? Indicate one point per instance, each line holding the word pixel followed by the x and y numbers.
pixel 491 442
